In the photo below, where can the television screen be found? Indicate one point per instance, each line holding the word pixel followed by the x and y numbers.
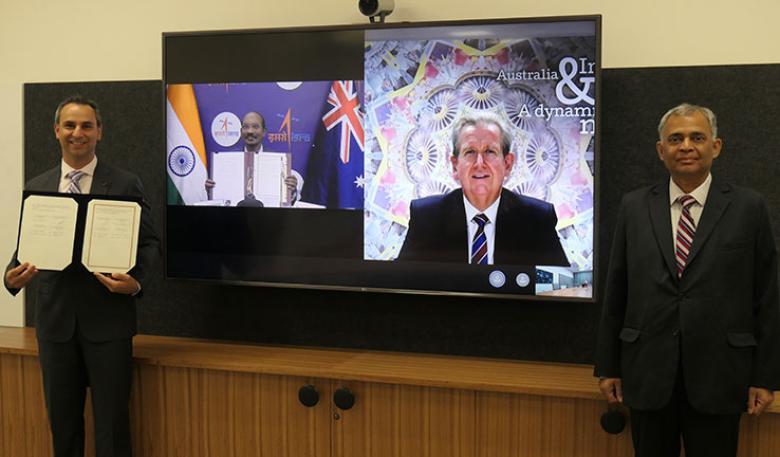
pixel 452 157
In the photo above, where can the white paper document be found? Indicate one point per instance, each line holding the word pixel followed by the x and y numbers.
pixel 267 182
pixel 270 170
pixel 111 236
pixel 227 171
pixel 47 232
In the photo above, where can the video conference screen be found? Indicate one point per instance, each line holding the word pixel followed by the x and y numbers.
pixel 454 157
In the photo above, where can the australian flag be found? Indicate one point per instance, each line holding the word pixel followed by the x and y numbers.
pixel 334 174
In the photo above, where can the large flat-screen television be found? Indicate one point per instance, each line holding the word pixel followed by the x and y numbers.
pixel 448 157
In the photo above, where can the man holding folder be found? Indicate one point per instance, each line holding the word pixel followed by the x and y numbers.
pixel 85 321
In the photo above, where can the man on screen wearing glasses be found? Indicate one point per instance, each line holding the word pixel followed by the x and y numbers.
pixel 482 222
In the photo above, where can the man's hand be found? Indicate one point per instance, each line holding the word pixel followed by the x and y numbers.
pixel 758 399
pixel 18 277
pixel 119 283
pixel 292 186
pixel 612 388
pixel 292 183
pixel 209 185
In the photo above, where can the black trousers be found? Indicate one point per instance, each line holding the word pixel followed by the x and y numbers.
pixel 106 368
pixel 658 433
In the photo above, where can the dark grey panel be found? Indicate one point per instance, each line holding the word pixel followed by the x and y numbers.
pixel 745 98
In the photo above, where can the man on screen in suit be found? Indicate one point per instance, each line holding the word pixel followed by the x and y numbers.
pixel 253 131
pixel 482 222
pixel 690 331
pixel 84 321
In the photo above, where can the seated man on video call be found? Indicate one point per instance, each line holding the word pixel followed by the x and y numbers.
pixel 482 222
pixel 253 131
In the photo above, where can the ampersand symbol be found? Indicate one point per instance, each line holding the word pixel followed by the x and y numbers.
pixel 568 70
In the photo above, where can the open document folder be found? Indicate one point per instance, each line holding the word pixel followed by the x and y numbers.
pixel 269 169
pixel 50 223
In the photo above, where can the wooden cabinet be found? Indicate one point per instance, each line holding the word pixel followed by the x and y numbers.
pixel 194 398
pixel 189 412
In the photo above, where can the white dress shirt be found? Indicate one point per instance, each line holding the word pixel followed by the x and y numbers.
pixel 85 183
pixel 490 226
pixel 700 194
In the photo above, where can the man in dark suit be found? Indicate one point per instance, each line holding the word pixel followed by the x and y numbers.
pixel 85 321
pixel 690 331
pixel 482 223
pixel 253 130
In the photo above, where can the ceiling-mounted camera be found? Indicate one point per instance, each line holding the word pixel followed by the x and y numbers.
pixel 376 9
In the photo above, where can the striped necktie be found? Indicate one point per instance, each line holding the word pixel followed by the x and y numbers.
pixel 74 176
pixel 479 249
pixel 686 228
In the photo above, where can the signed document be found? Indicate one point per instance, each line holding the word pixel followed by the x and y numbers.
pixel 47 231
pixel 270 170
pixel 111 236
pixel 264 178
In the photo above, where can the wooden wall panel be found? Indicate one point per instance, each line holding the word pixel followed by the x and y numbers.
pixel 147 408
pixel 183 438
pixel 192 413
pixel 520 425
pixel 760 436
pixel 391 420
pixel 308 428
pixel 36 422
pixel 352 428
pixel 24 426
pixel 11 409
pixel 452 421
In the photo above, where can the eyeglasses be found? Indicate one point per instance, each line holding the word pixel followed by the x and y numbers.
pixel 488 156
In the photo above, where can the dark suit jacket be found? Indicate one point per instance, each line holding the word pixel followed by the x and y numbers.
pixel 525 231
pixel 722 317
pixel 74 294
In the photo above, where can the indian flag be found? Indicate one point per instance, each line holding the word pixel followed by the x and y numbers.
pixel 186 150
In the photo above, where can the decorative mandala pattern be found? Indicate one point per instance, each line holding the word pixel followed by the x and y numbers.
pixel 440 109
pixel 520 105
pixel 422 155
pixel 481 92
pixel 533 189
pixel 590 156
pixel 432 188
pixel 543 156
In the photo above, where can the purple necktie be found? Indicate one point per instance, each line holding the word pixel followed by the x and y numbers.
pixel 686 228
pixel 479 250
pixel 74 177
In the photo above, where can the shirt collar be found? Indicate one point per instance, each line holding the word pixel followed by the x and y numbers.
pixel 700 193
pixel 490 212
pixel 256 152
pixel 88 169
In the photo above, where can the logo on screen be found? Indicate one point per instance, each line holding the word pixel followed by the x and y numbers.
pixel 286 134
pixel 181 161
pixel 226 129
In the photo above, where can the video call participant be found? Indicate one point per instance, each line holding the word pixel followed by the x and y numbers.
pixel 482 222
pixel 84 321
pixel 690 331
pixel 253 131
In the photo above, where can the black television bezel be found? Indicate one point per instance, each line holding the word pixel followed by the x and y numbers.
pixel 595 18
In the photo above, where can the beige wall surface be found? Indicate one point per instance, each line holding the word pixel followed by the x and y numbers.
pixel 90 40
